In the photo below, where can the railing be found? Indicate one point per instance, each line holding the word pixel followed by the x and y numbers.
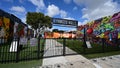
pixel 13 50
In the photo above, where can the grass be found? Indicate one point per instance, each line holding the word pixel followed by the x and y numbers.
pixel 94 52
pixel 25 64
pixel 97 55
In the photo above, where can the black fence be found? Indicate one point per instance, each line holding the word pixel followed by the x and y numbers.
pixel 15 50
pixel 101 45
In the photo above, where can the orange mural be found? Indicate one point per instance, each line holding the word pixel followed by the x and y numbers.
pixel 58 35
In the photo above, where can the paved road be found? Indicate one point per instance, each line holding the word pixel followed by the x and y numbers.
pixel 54 48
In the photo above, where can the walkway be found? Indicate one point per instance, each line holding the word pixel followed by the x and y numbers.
pixel 54 48
pixel 74 61
pixel 108 62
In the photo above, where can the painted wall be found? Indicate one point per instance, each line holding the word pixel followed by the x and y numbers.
pixel 58 35
pixel 105 27
pixel 11 26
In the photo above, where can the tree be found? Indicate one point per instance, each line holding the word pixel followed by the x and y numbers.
pixel 55 30
pixel 38 20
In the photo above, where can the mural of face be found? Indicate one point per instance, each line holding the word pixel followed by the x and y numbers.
pixel 6 22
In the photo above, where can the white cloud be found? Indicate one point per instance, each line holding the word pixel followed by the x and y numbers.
pixel 20 12
pixel 82 23
pixel 75 8
pixel 18 9
pixel 63 14
pixel 69 18
pixel 9 1
pixel 53 10
pixel 23 19
pixel 95 9
pixel 67 1
pixel 39 4
pixel 22 1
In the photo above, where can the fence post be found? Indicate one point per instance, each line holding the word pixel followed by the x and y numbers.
pixel 64 45
pixel 84 42
pixel 2 54
pixel 38 54
pixel 103 40
pixel 18 49
pixel 117 40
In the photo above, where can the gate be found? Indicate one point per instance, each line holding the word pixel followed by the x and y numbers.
pixel 59 47
pixel 53 47
pixel 13 51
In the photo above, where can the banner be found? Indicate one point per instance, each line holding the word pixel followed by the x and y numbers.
pixel 33 42
pixel 64 22
pixel 23 41
pixel 15 27
pixel 88 44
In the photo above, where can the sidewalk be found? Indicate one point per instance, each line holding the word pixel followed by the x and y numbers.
pixel 107 62
pixel 74 61
pixel 53 48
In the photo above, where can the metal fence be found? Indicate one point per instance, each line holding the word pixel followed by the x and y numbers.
pixel 15 50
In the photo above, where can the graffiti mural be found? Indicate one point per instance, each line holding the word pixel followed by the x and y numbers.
pixel 107 27
pixel 11 26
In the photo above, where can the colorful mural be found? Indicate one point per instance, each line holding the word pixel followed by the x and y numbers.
pixel 107 27
pixel 11 26
pixel 58 35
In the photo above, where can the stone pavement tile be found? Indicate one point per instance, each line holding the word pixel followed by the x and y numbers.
pixel 108 62
pixel 79 61
pixel 54 60
pixel 80 64
pixel 75 58
pixel 45 66
pixel 60 65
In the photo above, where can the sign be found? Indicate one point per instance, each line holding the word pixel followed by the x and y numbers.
pixel 33 42
pixel 23 41
pixel 88 44
pixel 65 22
pixel 13 46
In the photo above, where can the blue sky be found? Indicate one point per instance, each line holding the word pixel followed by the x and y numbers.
pixel 80 10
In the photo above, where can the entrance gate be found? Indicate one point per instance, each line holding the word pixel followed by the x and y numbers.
pixel 56 46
